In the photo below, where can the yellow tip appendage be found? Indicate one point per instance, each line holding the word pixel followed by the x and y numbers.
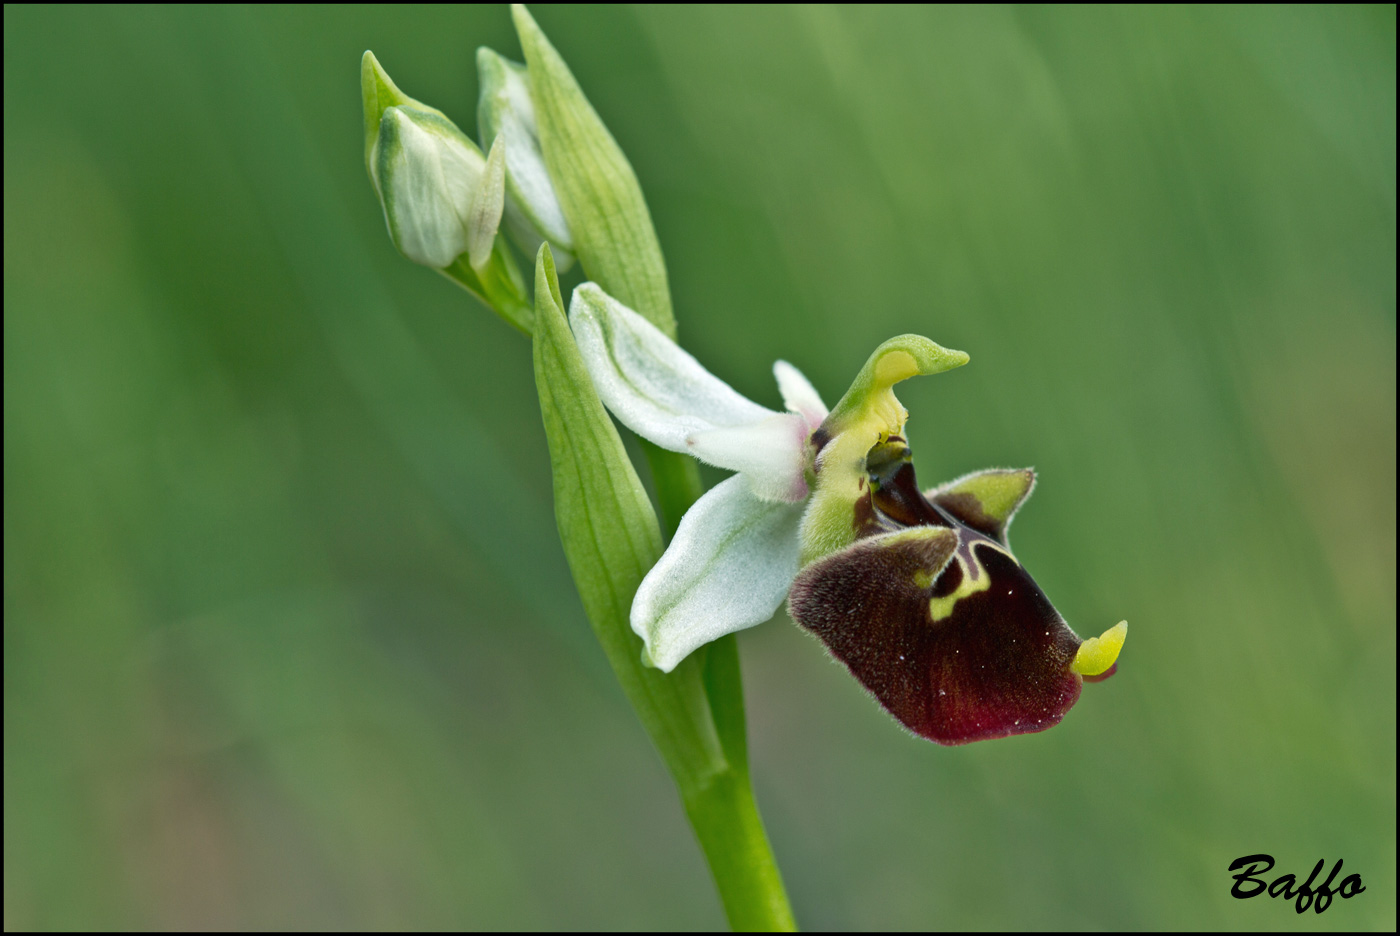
pixel 1097 654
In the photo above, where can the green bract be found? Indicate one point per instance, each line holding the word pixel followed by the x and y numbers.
pixel 694 713
pixel 610 534
pixel 601 199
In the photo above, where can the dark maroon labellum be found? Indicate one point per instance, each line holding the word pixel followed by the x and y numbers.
pixel 933 614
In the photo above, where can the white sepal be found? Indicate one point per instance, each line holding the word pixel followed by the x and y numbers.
pixel 728 568
pixel 799 396
pixel 769 453
pixel 427 173
pixel 656 389
pixel 533 213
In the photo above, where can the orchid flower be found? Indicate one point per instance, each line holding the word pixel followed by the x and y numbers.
pixel 917 593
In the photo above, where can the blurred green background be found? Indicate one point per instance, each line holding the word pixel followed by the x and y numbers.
pixel 289 638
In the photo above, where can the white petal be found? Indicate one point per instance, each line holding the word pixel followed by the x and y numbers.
pixel 799 396
pixel 484 217
pixel 646 380
pixel 505 110
pixel 526 165
pixel 769 453
pixel 728 568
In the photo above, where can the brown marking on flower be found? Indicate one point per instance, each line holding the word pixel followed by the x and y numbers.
pixel 968 508
pixel 899 499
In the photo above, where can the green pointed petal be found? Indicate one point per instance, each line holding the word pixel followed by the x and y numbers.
pixel 613 236
pixel 867 415
pixel 871 396
pixel 986 500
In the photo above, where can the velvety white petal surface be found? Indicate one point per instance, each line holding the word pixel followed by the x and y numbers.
pixel 799 396
pixel 427 182
pixel 525 162
pixel 656 389
pixel 728 568
pixel 505 109
pixel 769 453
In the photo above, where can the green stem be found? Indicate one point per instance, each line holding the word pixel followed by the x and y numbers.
pixel 726 821
pixel 678 484
pixel 498 286
pixel 723 811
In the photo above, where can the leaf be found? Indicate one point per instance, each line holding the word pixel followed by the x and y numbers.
pixel 613 236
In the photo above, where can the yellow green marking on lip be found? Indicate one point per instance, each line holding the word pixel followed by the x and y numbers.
pixel 940 608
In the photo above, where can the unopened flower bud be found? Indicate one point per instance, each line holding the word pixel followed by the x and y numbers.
pixel 429 176
pixel 505 112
